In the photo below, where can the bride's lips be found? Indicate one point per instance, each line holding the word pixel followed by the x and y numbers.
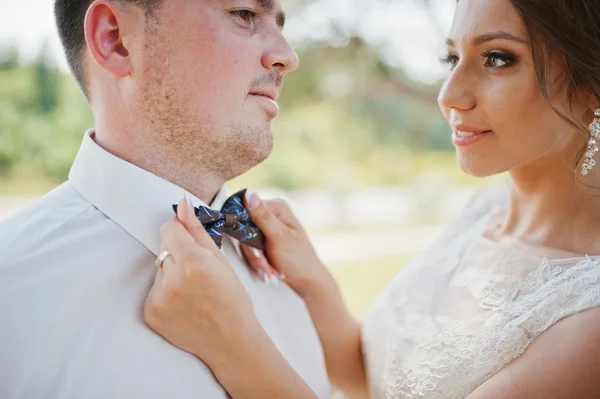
pixel 464 135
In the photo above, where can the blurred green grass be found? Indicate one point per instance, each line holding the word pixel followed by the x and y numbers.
pixel 361 281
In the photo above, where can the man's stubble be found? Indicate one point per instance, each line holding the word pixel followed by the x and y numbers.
pixel 225 149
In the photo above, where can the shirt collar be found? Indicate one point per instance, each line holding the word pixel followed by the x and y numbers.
pixel 137 200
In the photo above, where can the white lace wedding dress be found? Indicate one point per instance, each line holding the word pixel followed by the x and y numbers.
pixel 467 307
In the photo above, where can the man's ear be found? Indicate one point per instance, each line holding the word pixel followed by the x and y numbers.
pixel 104 31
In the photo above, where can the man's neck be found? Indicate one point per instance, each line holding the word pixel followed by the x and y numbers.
pixel 191 178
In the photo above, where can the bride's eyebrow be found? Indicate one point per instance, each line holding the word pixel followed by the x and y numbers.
pixel 492 36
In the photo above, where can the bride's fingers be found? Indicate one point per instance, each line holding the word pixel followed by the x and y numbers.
pixel 259 263
pixel 283 212
pixel 270 215
pixel 186 215
pixel 271 226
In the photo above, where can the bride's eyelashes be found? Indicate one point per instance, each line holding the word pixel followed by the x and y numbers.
pixel 499 59
pixel 450 60
pixel 494 59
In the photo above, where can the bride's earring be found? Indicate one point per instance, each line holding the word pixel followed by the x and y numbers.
pixel 592 148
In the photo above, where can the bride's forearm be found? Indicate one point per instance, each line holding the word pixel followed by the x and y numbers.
pixel 340 335
pixel 253 368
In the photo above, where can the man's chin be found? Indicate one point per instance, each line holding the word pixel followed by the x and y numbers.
pixel 264 149
pixel 245 160
pixel 258 145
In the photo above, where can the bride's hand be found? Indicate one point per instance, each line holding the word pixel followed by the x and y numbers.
pixel 288 249
pixel 197 303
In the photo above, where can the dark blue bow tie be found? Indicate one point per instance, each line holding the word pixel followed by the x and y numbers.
pixel 233 220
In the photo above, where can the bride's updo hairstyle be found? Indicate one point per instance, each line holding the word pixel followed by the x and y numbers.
pixel 568 32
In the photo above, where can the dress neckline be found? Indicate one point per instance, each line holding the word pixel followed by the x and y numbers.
pixel 534 251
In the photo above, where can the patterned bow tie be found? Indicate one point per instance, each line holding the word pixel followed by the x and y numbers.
pixel 233 220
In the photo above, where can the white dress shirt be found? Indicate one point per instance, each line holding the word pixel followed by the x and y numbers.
pixel 75 269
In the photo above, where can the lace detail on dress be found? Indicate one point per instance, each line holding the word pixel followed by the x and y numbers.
pixel 450 357
pixel 465 308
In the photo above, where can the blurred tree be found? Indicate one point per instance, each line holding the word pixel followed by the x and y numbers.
pixel 350 117
pixel 9 58
pixel 350 31
pixel 47 81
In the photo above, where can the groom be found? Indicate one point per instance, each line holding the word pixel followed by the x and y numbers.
pixel 183 94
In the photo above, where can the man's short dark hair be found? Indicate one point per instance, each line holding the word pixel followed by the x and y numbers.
pixel 70 16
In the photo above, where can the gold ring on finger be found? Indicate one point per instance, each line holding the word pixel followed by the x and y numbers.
pixel 161 258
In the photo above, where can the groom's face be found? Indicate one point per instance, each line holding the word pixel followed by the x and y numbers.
pixel 212 73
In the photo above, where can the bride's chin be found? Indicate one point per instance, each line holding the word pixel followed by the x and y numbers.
pixel 478 168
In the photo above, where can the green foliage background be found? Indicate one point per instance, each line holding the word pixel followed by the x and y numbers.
pixel 348 121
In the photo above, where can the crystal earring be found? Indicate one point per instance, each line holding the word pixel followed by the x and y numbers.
pixel 592 148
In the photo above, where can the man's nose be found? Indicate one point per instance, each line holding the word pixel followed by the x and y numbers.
pixel 281 55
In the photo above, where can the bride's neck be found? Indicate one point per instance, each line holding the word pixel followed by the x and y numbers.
pixel 548 207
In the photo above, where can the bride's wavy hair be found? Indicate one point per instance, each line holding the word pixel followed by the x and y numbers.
pixel 567 31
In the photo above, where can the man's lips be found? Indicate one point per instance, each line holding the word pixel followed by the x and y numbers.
pixel 267 99
pixel 272 94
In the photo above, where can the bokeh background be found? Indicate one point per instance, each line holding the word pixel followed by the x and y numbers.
pixel 360 129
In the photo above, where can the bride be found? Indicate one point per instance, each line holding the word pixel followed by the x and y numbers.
pixel 505 304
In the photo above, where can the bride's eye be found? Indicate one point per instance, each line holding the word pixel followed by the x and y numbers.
pixel 450 60
pixel 499 60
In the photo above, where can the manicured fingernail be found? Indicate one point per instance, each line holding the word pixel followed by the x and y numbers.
pixel 262 274
pixel 180 210
pixel 275 281
pixel 190 206
pixel 255 252
pixel 266 279
pixel 282 277
pixel 252 199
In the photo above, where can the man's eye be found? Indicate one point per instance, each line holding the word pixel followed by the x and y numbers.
pixel 245 15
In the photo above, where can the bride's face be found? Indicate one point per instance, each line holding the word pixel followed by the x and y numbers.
pixel 499 118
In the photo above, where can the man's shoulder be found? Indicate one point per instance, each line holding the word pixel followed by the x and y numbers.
pixel 46 221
